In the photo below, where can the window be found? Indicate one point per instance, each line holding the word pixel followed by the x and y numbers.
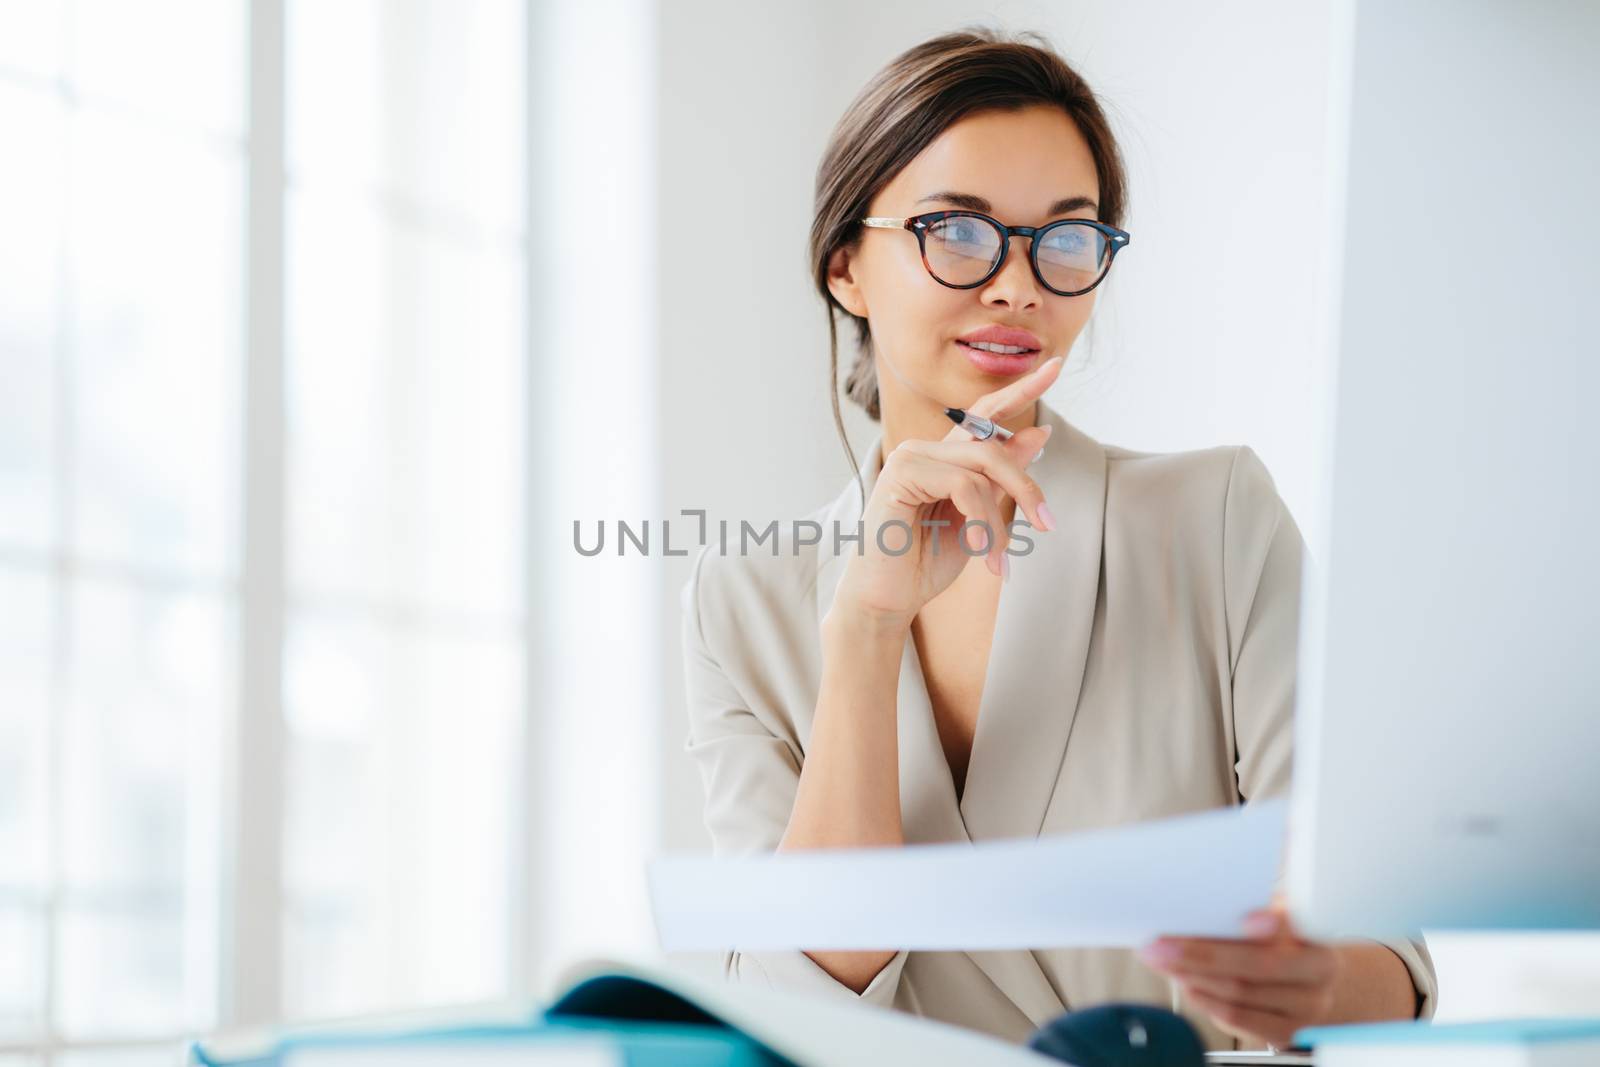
pixel 404 395
pixel 122 203
pixel 151 277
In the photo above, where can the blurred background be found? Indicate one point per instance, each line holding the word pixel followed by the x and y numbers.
pixel 321 324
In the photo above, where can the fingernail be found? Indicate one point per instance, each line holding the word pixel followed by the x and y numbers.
pixel 1046 519
pixel 1260 925
pixel 1160 953
pixel 1040 454
pixel 1005 567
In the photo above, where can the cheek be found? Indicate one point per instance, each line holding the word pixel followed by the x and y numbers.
pixel 909 309
pixel 903 276
pixel 926 315
pixel 1075 314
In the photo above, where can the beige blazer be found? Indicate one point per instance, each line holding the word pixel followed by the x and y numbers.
pixel 1143 666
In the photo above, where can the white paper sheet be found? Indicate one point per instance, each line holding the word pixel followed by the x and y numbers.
pixel 1195 875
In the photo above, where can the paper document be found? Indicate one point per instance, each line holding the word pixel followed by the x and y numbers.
pixel 1195 875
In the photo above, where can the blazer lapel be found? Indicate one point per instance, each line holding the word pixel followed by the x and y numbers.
pixel 1031 687
pixel 1040 647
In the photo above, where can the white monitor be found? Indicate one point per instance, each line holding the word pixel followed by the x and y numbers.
pixel 1448 729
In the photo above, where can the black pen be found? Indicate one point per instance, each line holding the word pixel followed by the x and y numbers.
pixel 977 425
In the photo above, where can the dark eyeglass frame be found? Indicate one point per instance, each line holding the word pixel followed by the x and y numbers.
pixel 918 224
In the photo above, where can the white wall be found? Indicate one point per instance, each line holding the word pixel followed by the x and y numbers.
pixel 741 126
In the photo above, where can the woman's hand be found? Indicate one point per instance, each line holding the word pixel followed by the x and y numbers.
pixel 1265 987
pixel 924 494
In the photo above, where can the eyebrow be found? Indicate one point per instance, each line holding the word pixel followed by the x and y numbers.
pixel 977 203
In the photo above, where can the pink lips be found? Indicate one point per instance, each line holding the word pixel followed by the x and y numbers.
pixel 997 362
pixel 1003 335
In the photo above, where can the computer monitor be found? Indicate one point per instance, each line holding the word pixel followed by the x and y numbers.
pixel 1448 728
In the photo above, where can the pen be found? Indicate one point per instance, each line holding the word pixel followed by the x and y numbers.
pixel 977 425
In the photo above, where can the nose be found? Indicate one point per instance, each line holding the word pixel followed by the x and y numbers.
pixel 1014 285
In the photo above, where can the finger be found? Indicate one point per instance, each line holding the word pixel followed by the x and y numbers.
pixel 1277 961
pixel 1026 445
pixel 916 479
pixel 1268 924
pixel 973 496
pixel 913 479
pixel 975 501
pixel 1014 397
pixel 990 532
pixel 1001 539
pixel 1270 1027
pixel 1286 923
pixel 993 463
pixel 1022 451
pixel 1291 1001
pixel 1021 454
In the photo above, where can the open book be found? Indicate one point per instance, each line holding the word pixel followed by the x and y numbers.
pixel 616 1014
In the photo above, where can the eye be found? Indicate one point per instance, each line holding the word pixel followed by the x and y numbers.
pixel 1069 240
pixel 1074 247
pixel 961 231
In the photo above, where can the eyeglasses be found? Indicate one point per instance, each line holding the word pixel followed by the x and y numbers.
pixel 964 249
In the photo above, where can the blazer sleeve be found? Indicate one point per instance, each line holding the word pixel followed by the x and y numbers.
pixel 750 776
pixel 1263 554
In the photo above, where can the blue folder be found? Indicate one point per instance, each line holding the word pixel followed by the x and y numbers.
pixel 1497 1031
pixel 642 1024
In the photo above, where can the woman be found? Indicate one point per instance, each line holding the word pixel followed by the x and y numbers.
pixel 1130 657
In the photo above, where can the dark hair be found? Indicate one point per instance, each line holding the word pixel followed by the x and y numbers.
pixel 905 106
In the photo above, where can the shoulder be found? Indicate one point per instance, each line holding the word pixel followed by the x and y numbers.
pixel 748 572
pixel 1213 511
pixel 1200 489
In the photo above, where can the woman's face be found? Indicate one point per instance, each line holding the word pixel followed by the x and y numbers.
pixel 1015 166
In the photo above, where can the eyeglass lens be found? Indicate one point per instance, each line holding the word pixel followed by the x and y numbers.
pixel 962 250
